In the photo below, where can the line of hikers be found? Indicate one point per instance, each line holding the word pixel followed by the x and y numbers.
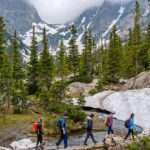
pixel 62 125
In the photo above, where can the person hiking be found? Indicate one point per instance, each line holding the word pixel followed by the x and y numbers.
pixel 131 126
pixel 39 132
pixel 63 131
pixel 109 125
pixel 89 129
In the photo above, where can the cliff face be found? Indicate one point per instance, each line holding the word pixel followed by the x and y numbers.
pixel 19 15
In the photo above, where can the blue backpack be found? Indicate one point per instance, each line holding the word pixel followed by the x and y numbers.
pixel 60 123
pixel 126 124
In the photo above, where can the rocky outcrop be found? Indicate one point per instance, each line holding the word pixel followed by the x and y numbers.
pixel 77 89
pixel 123 103
pixel 140 81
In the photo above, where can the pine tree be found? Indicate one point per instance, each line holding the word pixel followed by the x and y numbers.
pixel 147 46
pixel 46 66
pixel 62 68
pixel 2 40
pixel 114 57
pixel 5 69
pixel 18 76
pixel 18 73
pixel 86 68
pixel 6 82
pixel 73 52
pixel 33 67
pixel 128 60
pixel 137 37
pixel 103 67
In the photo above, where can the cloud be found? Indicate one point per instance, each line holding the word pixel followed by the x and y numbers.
pixel 62 11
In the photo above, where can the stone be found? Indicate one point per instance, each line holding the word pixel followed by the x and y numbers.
pixel 142 80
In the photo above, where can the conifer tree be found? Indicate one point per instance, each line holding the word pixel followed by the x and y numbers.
pixel 147 46
pixel 128 60
pixel 5 68
pixel 73 52
pixel 33 66
pixel 86 68
pixel 46 66
pixel 62 68
pixel 103 67
pixel 137 37
pixel 6 82
pixel 18 73
pixel 2 40
pixel 114 57
pixel 18 76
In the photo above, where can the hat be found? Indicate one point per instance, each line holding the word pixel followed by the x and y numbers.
pixel 92 115
pixel 65 114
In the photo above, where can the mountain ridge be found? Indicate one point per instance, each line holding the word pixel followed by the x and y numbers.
pixel 98 19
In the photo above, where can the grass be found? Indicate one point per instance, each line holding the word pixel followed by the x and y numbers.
pixel 11 119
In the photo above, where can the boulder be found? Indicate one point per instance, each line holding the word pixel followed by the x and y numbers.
pixel 4 148
pixel 142 80
pixel 77 89
pixel 23 144
pixel 96 101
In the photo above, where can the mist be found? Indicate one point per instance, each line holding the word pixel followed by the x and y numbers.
pixel 62 11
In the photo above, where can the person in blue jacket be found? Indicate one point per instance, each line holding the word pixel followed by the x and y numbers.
pixel 131 126
pixel 63 131
pixel 89 129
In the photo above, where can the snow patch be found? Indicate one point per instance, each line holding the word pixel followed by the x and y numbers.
pixel 83 20
pixel 27 37
pixel 114 22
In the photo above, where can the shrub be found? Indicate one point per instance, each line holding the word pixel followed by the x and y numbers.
pixel 142 144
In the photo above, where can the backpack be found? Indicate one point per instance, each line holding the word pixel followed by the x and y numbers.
pixel 126 124
pixel 59 123
pixel 34 127
pixel 89 124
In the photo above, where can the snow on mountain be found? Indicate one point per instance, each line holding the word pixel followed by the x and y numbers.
pixel 147 11
pixel 99 20
pixel 26 38
pixel 124 103
pixel 114 22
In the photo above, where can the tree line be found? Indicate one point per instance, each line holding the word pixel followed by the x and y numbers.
pixel 45 77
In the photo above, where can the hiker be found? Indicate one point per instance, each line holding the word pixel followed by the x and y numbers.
pixel 109 125
pixel 131 126
pixel 63 130
pixel 89 129
pixel 39 132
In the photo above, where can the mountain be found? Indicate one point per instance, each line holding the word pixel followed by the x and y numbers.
pixel 18 15
pixel 21 15
pixel 99 20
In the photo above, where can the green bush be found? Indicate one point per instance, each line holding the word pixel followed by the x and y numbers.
pixel 93 91
pixel 76 114
pixel 143 144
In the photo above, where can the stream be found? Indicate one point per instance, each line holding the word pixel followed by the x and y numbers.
pixel 78 138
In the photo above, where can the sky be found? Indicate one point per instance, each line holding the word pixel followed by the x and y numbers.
pixel 62 11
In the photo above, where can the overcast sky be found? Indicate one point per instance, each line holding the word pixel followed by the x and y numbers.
pixel 61 11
